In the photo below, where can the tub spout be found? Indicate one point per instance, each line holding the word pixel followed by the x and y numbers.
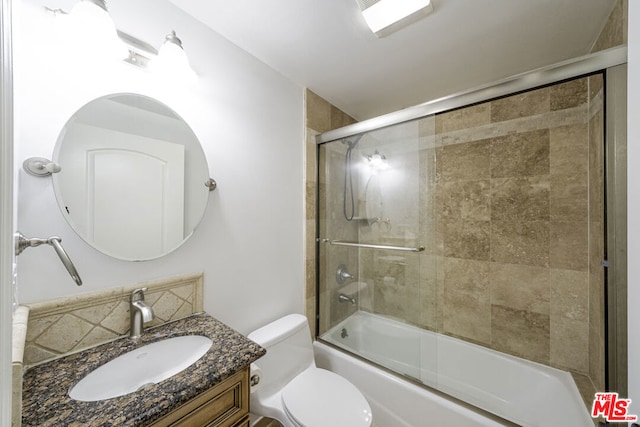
pixel 344 298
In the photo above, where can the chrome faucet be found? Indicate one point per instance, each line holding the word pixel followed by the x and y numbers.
pixel 140 313
pixel 344 298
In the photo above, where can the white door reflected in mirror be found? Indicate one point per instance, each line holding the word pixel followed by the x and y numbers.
pixel 132 178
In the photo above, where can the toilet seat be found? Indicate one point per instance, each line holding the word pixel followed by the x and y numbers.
pixel 320 398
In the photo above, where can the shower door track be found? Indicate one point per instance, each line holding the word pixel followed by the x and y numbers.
pixel 372 246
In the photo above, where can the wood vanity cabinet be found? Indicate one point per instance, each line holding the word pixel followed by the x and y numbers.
pixel 224 405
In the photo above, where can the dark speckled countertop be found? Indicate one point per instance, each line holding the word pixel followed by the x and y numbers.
pixel 45 388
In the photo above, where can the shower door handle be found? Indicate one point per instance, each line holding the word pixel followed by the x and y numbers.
pixel 372 246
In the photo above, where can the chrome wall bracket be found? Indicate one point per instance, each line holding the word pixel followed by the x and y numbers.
pixel 39 166
pixel 211 184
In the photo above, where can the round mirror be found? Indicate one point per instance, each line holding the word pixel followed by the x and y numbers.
pixel 132 178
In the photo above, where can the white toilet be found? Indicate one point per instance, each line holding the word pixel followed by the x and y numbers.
pixel 295 392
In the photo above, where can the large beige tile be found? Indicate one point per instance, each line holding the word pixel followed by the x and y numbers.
pixel 613 33
pixel 464 161
pixel 568 198
pixel 466 239
pixel 596 168
pixel 596 279
pixel 520 242
pixel 569 245
pixel 520 199
pixel 310 312
pixel 596 83
pixel 597 361
pixel 311 163
pixel 428 291
pixel 597 301
pixel 569 94
pixel 310 278
pixel 427 131
pixel 462 200
pixel 318 112
pixel 569 150
pixel 570 294
pixel 467 299
pixel 463 118
pixel 520 154
pixel 570 344
pixel 310 200
pixel 520 287
pixel 521 333
pixel 396 300
pixel 340 119
pixel 521 105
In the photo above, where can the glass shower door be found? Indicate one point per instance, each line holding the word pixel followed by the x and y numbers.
pixel 377 276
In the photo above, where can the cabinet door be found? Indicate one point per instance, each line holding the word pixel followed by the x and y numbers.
pixel 224 405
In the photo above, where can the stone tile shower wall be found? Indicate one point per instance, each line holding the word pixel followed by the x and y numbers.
pixel 513 229
pixel 321 117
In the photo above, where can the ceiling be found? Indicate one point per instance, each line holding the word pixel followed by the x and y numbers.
pixel 326 46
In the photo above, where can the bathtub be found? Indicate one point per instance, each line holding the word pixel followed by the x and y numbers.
pixel 523 392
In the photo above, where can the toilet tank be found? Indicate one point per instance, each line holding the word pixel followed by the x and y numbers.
pixel 289 352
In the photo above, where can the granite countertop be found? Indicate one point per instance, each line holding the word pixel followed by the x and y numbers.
pixel 45 387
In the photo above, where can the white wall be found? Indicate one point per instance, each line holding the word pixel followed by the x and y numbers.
pixel 633 210
pixel 249 120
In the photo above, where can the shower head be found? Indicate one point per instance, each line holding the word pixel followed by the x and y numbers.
pixel 353 142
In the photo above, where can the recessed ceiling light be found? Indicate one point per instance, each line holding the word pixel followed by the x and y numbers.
pixel 387 16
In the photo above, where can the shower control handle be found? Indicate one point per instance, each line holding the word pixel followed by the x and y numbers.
pixel 342 274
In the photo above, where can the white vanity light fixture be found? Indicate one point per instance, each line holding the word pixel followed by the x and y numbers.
pixel 172 60
pixel 91 28
pixel 385 16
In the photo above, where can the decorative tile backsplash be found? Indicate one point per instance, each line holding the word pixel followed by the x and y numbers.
pixel 67 325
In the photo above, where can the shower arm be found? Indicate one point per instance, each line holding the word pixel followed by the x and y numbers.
pixel 23 243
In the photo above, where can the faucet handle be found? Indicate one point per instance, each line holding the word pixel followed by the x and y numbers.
pixel 138 294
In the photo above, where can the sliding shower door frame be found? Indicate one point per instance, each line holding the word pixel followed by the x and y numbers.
pixel 565 70
pixel 616 228
pixel 613 63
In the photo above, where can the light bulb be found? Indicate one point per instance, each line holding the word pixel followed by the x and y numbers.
pixel 377 160
pixel 92 31
pixel 172 61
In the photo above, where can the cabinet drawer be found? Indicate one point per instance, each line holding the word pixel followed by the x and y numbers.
pixel 221 406
pixel 243 423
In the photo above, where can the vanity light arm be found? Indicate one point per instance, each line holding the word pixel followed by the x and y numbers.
pixel 23 243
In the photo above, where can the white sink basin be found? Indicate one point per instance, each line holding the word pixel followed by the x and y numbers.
pixel 149 364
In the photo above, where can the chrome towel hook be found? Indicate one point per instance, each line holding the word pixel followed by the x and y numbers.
pixel 23 243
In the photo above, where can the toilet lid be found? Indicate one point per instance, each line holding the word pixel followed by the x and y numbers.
pixel 320 398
